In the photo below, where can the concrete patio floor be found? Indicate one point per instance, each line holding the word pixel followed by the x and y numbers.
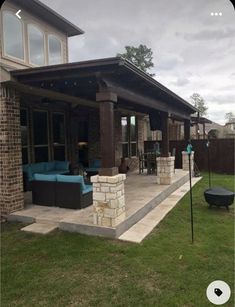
pixel 142 194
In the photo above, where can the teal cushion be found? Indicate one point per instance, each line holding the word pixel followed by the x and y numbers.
pixel 25 167
pixel 96 163
pixel 57 172
pixel 87 189
pixel 50 166
pixel 38 167
pixel 73 179
pixel 30 174
pixel 62 165
pixel 43 177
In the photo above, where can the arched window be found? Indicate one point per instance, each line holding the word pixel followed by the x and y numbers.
pixel 13 36
pixel 36 45
pixel 55 50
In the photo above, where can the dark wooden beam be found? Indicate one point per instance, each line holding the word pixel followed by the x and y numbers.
pixel 165 135
pixel 187 135
pixel 34 91
pixel 107 142
pixel 146 101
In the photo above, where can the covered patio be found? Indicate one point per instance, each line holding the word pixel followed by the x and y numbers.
pixel 90 101
pixel 142 195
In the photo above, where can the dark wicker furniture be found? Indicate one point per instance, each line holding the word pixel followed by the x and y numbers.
pixel 219 197
pixel 43 193
pixel 70 195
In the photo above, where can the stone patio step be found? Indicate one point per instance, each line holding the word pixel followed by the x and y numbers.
pixel 143 227
pixel 41 228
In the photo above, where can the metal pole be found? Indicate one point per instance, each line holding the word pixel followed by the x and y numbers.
pixel 191 196
pixel 209 166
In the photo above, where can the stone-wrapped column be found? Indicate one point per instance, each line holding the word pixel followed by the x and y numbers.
pixel 11 177
pixel 108 200
pixel 165 169
pixel 185 161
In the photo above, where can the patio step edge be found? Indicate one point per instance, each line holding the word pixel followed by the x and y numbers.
pixel 139 231
pixel 142 212
pixel 40 228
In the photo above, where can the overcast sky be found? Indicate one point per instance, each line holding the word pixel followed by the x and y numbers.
pixel 193 51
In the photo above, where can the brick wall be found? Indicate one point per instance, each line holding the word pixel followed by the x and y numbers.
pixel 11 180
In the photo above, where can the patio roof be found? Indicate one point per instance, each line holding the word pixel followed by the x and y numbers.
pixel 200 120
pixel 134 88
pixel 50 16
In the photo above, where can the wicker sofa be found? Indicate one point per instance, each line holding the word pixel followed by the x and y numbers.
pixel 47 168
pixel 61 191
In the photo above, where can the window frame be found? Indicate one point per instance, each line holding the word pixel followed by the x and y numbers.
pixel 44 45
pixel 129 142
pixel 48 49
pixel 48 145
pixel 52 135
pixel 5 54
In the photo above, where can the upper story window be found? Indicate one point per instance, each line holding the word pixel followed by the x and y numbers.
pixel 36 45
pixel 54 50
pixel 13 36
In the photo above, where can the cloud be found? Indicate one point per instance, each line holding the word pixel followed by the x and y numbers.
pixel 168 62
pixel 193 52
pixel 181 81
pixel 209 34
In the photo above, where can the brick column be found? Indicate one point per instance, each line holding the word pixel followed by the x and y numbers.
pixel 185 161
pixel 108 200
pixel 11 178
pixel 165 169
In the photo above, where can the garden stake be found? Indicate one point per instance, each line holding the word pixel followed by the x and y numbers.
pixel 189 150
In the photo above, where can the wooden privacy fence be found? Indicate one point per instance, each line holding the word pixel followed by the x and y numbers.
pixel 221 154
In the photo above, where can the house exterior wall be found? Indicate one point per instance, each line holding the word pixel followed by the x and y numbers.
pixel 11 179
pixel 28 18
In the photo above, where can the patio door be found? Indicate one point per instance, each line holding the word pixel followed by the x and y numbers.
pixel 40 136
pixel 24 125
pixel 58 136
pixel 129 136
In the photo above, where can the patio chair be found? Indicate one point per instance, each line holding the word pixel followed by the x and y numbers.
pixel 72 192
pixel 141 161
pixel 43 190
pixel 151 162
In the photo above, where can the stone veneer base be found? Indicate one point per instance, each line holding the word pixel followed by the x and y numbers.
pixel 165 170
pixel 108 200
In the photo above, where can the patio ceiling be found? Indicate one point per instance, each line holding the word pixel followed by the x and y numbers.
pixel 72 82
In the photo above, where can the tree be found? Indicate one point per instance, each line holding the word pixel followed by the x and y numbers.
pixel 229 116
pixel 199 103
pixel 141 56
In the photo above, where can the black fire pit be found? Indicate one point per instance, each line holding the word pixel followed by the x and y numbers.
pixel 219 197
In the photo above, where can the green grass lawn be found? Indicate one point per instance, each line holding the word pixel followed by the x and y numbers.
pixel 70 269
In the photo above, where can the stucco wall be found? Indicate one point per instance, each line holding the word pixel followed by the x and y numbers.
pixel 28 18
